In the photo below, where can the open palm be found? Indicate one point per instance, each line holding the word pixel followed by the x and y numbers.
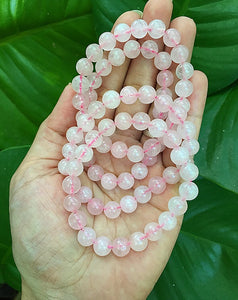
pixel 46 251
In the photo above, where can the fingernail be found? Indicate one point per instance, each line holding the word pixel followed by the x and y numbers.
pixel 139 12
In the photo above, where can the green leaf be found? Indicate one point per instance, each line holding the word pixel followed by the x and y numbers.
pixel 204 262
pixel 38 51
pixel 218 156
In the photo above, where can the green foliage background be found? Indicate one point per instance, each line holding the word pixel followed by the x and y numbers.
pixel 40 41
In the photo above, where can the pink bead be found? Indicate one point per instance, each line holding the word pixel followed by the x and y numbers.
pixel 121 247
pixel 141 121
pixel 111 99
pixel 94 52
pixel 93 139
pixel 119 149
pixel 159 115
pixel 135 153
pixel 164 91
pixel 122 32
pixel 156 29
pixel 187 130
pixel 77 220
pixel 128 204
pixel 107 41
pixel 153 232
pixel 125 181
pixel 165 78
pixel 123 121
pixel 92 95
pixel 149 49
pixel 152 147
pixel 105 146
pixel 84 194
pixel 72 203
pixel 95 173
pixel 177 114
pixel 162 60
pixel 74 135
pixel 157 128
pixel 138 242
pixel 62 166
pixel 103 67
pixel 171 175
pixel 184 88
pixel 183 102
pixel 74 167
pixel 132 49
pixel 139 171
pixel 142 194
pixel 95 206
pixel 96 109
pixel 171 37
pixel 147 94
pixel 71 184
pixel 184 70
pixel 172 139
pixel 86 237
pixel 179 155
pixel 179 54
pixel 189 172
pixel 85 122
pixel 80 101
pixel 149 160
pixel 163 102
pixel 112 210
pixel 80 84
pixel 84 66
pixel 139 28
pixel 116 57
pixel 177 206
pixel 109 181
pixel 106 127
pixel 167 220
pixel 128 95
pixel 192 146
pixel 188 190
pixel 101 246
pixel 95 81
pixel 84 153
pixel 157 185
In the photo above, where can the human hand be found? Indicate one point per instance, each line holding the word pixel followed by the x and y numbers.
pixel 51 262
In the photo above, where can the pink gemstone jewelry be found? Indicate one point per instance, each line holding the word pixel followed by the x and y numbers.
pixel 168 129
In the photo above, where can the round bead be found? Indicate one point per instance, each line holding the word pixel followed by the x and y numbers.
pixel 188 190
pixel 86 237
pixel 96 109
pixel 123 121
pixel 157 185
pixel 74 135
pixel 132 49
pixel 184 88
pixel 189 172
pixel 74 167
pixel 112 210
pixel 142 194
pixel 119 149
pixel 85 122
pixel 128 95
pixel 93 139
pixel 95 172
pixel 77 220
pixel 149 160
pixel 139 28
pixel 95 81
pixel 80 84
pixel 157 128
pixel 156 29
pixel 187 130
pixel 152 231
pixel 101 246
pixel 94 52
pixel 152 147
pixel 109 181
pixel 192 146
pixel 106 127
pixel 135 153
pixel 179 155
pixel 177 206
pixel 179 54
pixel 149 49
pixel 84 194
pixel 177 114
pixel 111 99
pixel 103 67
pixel 122 32
pixel 84 66
pixel 105 146
pixel 80 101
pixel 163 102
pixel 164 91
pixel 84 153
pixel 128 204
pixel 165 78
pixel 125 181
pixel 62 166
pixel 172 139
pixel 116 57
pixel 184 70
pixel 167 220
pixel 95 206
pixel 141 121
pixel 107 41
pixel 121 247
pixel 171 37
pixel 71 184
pixel 183 102
pixel 162 60
pixel 68 150
pixel 139 171
pixel 138 242
pixel 171 175
pixel 92 95
pixel 72 203
pixel 147 94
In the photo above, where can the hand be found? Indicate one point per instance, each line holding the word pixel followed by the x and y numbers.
pixel 52 263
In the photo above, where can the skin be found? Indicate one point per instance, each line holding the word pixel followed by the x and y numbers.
pixel 51 262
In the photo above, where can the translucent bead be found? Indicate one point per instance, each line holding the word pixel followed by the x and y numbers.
pixel 80 101
pixel 119 149
pixel 164 91
pixel 125 181
pixel 62 166
pixel 74 167
pixel 162 60
pixel 86 237
pixel 152 147
pixel 187 130
pixel 163 102
pixel 139 171
pixel 179 155
pixel 128 204
pixel 183 102
pixel 188 190
pixel 159 115
pixel 135 153
pixel 84 66
pixel 140 121
pixel 93 139
pixel 95 173
pixel 109 181
pixel 94 52
pixel 152 231
pixel 147 94
pixel 157 128
pixel 103 67
pixel 171 175
pixel 107 41
pixel 77 220
pixel 184 88
pixel 167 220
pixel 142 194
pixel 68 150
pixel 171 37
pixel 192 146
pixel 95 206
pixel 71 184
pixel 111 99
pixel 84 153
pixel 156 29
pixel 72 203
pixel 165 78
pixel 184 70
pixel 80 84
pixel 123 121
pixel 157 185
pixel 149 49
pixel 172 139
pixel 139 28
pixel 95 81
pixel 90 163
pixel 149 160
pixel 122 32
pixel 138 242
pixel 179 54
pixel 177 114
pixel 96 109
pixel 128 95
pixel 101 246
pixel 112 210
pixel 189 172
pixel 86 122
pixel 121 247
pixel 105 146
pixel 132 49
pixel 177 206
pixel 106 127
pixel 84 194
pixel 116 57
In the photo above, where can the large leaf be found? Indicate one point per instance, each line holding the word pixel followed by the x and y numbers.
pixel 216 46
pixel 204 262
pixel 39 45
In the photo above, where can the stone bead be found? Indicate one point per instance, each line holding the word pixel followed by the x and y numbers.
pixel 177 114
pixel 152 147
pixel 184 88
pixel 74 135
pixel 149 49
pixel 189 172
pixel 68 150
pixel 86 237
pixel 119 149
pixel 167 220
pixel 84 194
pixel 163 102
pixel 72 203
pixel 149 160
pixel 111 99
pixel 156 29
pixel 123 121
pixel 179 155
pixel 187 130
pixel 93 139
pixel 152 231
pixel 84 153
pixel 116 57
pixel 192 146
pixel 164 91
pixel 139 28
pixel 112 210
pixel 106 127
pixel 95 206
pixel 77 220
pixel 95 81
pixel 179 54
pixel 157 185
pixel 121 247
pixel 188 190
pixel 171 37
pixel 128 95
pixel 140 120
pixel 171 175
pixel 162 60
pixel 138 242
pixel 142 194
pixel 125 181
pixel 132 49
pixel 71 184
pixel 95 173
pixel 183 102
pixel 135 153
pixel 84 66
pixel 105 146
pixel 128 204
pixel 101 246
pixel 86 122
pixel 80 84
pixel 157 128
pixel 165 78
pixel 177 206
pixel 103 67
pixel 122 32
pixel 107 41
pixel 62 166
pixel 109 181
pixel 159 115
pixel 184 71
pixel 74 167
pixel 92 95
pixel 172 139
pixel 147 94
pixel 96 109
pixel 94 52
pixel 139 171
pixel 80 101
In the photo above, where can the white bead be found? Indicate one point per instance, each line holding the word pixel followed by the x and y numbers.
pixel 177 206
pixel 192 146
pixel 167 220
pixel 179 155
pixel 122 32
pixel 111 99
pixel 139 28
pixel 149 49
pixel 153 231
pixel 94 52
pixel 138 242
pixel 85 122
pixel 184 88
pixel 162 60
pixel 157 128
pixel 103 67
pixel 184 70
pixel 96 109
pixel 116 57
pixel 106 127
pixel 95 81
pixel 132 49
pixel 128 204
pixel 112 210
pixel 105 146
pixel 86 236
pixel 123 121
pixel 128 95
pixel 107 41
pixel 147 94
pixel 93 139
pixel 179 54
pixel 141 120
pixel 84 153
pixel 100 246
pixel 188 190
pixel 142 194
pixel 189 172
pixel 74 135
pixel 183 102
pixel 156 29
pixel 80 84
pixel 171 37
pixel 135 153
pixel 84 66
